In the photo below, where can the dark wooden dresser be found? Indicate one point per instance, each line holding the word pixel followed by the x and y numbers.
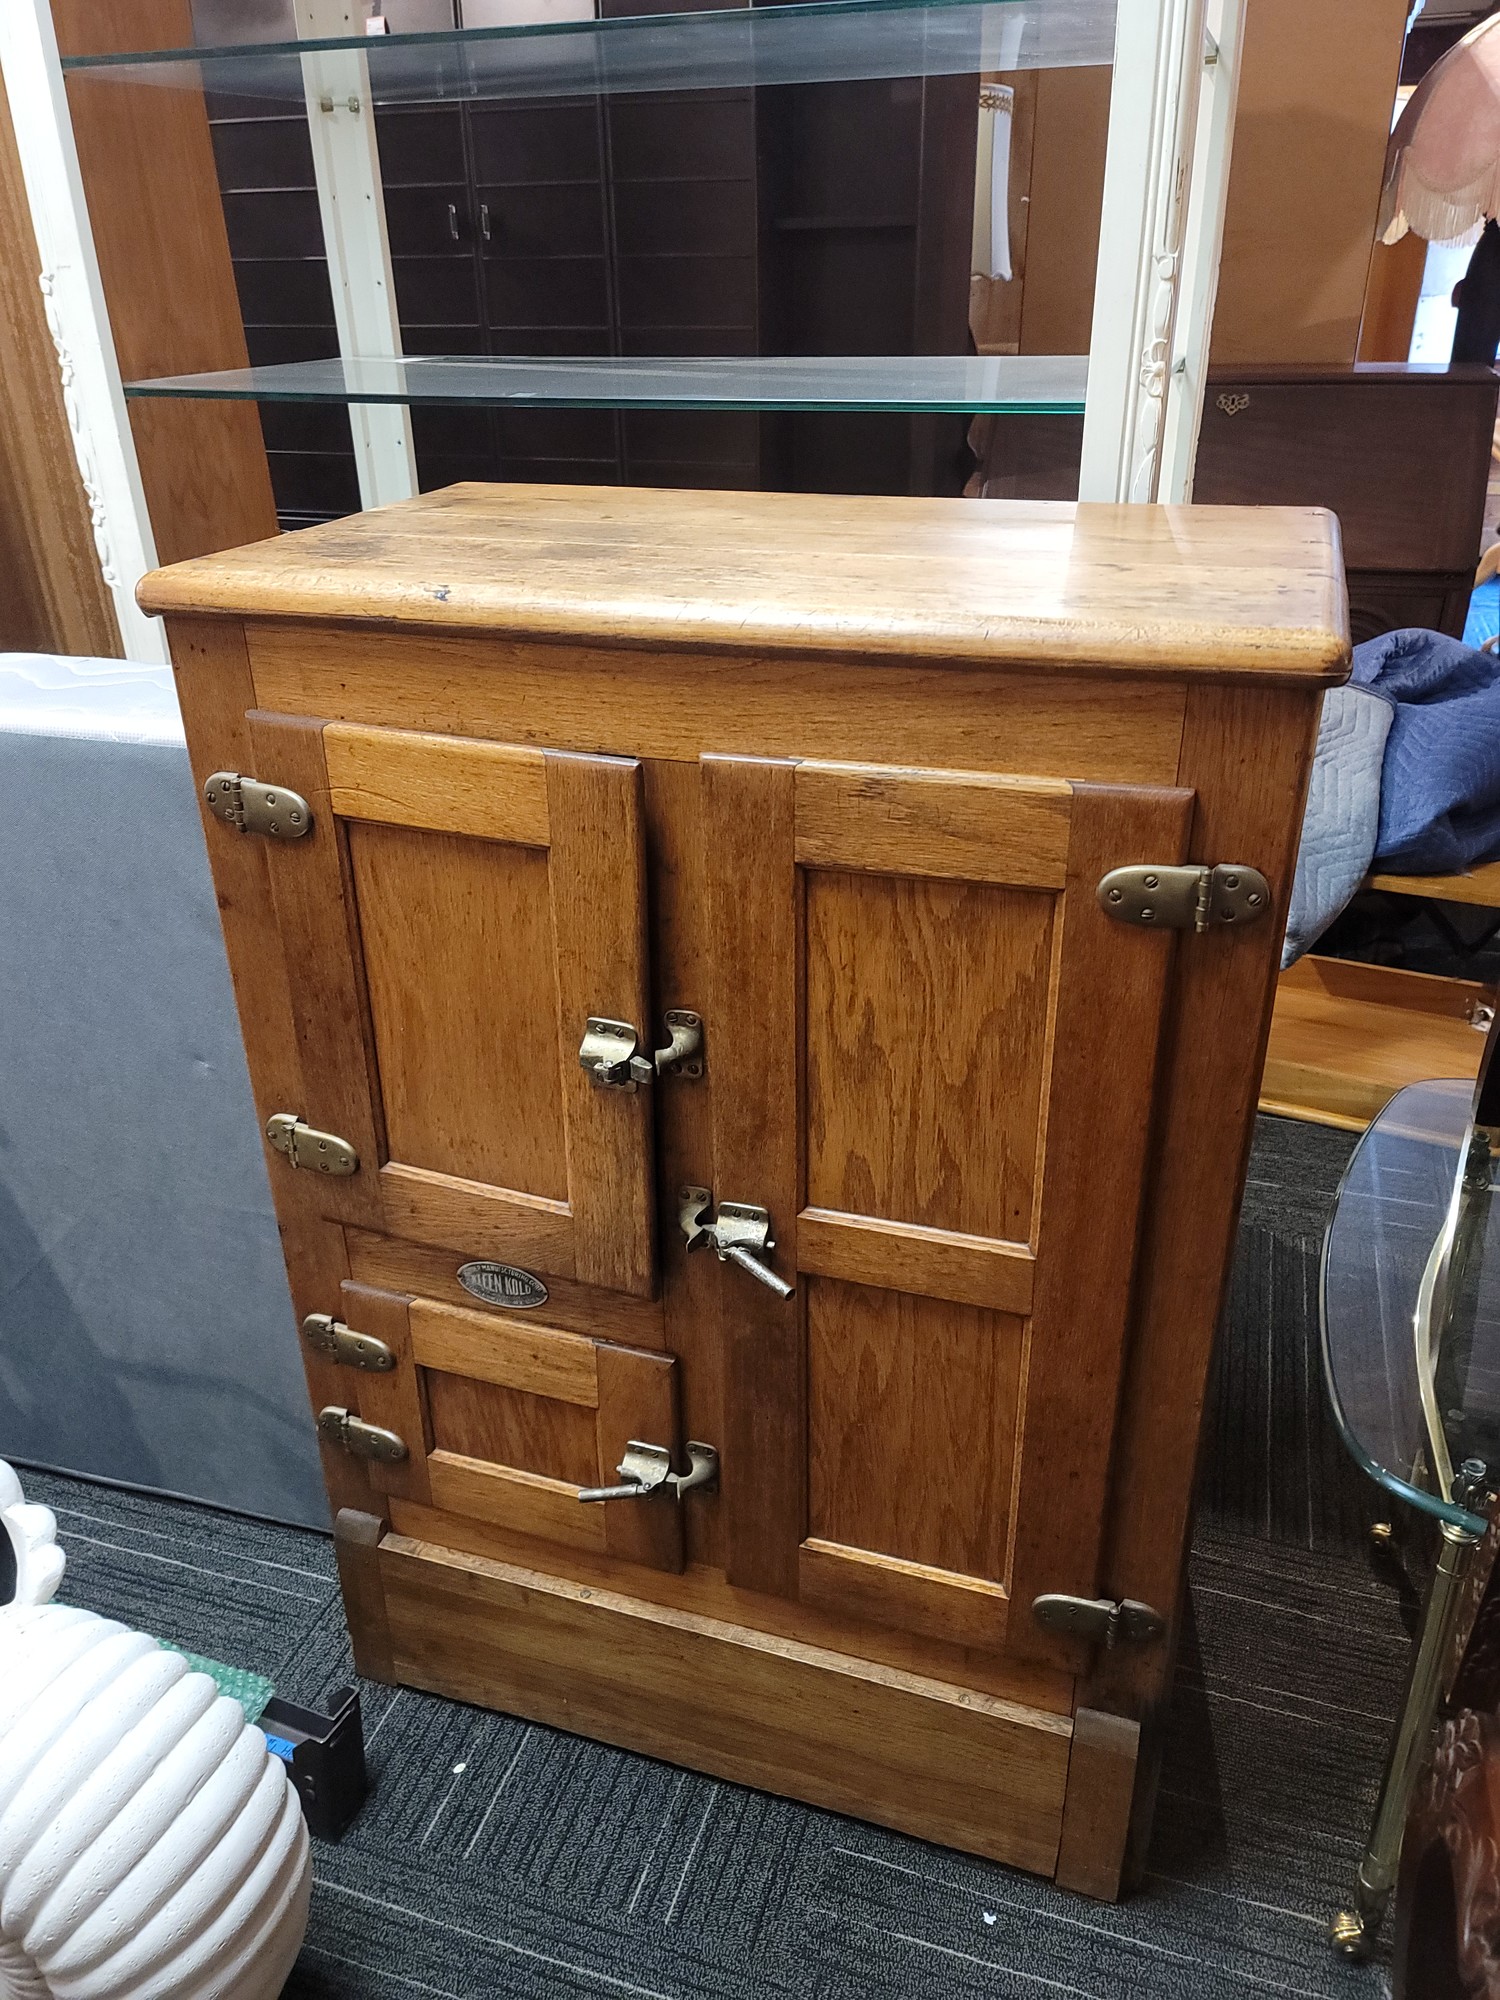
pixel 1400 453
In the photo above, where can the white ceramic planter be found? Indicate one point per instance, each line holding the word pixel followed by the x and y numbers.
pixel 151 1847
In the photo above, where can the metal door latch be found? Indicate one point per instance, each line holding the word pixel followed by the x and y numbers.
pixel 341 1343
pixel 323 1152
pixel 252 807
pixel 741 1234
pixel 1103 1621
pixel 647 1468
pixel 352 1434
pixel 611 1051
pixel 1185 898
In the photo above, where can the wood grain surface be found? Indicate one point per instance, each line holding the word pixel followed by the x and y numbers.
pixel 495 791
pixel 567 696
pixel 843 1733
pixel 1152 590
pixel 748 821
pixel 597 874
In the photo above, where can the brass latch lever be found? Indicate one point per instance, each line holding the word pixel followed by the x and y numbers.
pixel 739 1234
pixel 647 1468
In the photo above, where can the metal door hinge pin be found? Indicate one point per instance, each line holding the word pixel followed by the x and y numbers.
pixel 1103 1621
pixel 251 807
pixel 611 1051
pixel 739 1234
pixel 1186 898
pixel 647 1468
pixel 322 1152
pixel 351 1433
pixel 337 1342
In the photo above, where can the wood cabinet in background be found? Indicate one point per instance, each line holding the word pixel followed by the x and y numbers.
pixel 914 1259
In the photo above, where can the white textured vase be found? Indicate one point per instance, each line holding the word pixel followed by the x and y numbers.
pixel 151 1847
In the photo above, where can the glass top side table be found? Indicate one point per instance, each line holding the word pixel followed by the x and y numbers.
pixel 1410 1310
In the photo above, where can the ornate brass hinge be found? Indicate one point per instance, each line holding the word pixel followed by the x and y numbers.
pixel 1185 898
pixel 250 806
pixel 1103 1621
pixel 337 1342
pixel 353 1434
pixel 322 1152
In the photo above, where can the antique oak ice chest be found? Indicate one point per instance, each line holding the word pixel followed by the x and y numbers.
pixel 700 1064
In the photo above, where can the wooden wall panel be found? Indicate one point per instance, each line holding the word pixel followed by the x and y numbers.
pixel 1069 136
pixel 52 596
pixel 148 173
pixel 1317 89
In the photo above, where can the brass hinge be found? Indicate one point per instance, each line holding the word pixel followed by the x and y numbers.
pixel 323 1152
pixel 352 1434
pixel 337 1342
pixel 250 806
pixel 1185 898
pixel 1103 1621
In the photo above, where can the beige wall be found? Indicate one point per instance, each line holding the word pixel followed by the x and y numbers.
pixel 1317 85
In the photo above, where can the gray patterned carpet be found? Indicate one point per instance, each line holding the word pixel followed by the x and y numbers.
pixel 496 1858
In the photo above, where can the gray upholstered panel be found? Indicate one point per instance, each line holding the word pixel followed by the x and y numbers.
pixel 145 1329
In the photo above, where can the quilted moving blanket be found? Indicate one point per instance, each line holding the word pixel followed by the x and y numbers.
pixel 1440 789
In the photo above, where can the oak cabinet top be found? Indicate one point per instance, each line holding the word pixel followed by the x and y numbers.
pixel 1199 591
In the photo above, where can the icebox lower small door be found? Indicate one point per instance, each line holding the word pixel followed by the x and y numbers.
pixel 505 1419
pixel 935 1059
pixel 456 914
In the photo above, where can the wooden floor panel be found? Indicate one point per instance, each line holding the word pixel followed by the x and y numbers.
pixel 1345 1037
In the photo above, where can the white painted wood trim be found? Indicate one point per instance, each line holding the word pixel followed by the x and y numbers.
pixel 351 199
pixel 78 318
pixel 1202 248
pixel 1152 116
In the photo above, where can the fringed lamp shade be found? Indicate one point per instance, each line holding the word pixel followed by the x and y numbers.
pixel 1442 169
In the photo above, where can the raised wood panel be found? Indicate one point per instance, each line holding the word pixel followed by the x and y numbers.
pixel 493 791
pixel 514 1353
pixel 638 1401
pixel 927 1024
pixel 703 1590
pixel 457 943
pixel 393 1400
pixel 597 871
pixel 476 1221
pixel 939 1263
pixel 422 1267
pixel 749 828
pixel 973 827
pixel 963 1610
pixel 1247 757
pixel 1096 1818
pixel 512 1428
pixel 912 1413
pixel 569 697
pixel 316 926
pixel 523 1501
pixel 1112 981
pixel 844 1733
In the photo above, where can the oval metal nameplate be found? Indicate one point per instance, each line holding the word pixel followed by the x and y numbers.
pixel 503 1285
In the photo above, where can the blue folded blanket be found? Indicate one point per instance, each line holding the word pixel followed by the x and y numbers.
pixel 1440 789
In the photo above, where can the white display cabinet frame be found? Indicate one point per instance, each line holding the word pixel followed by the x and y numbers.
pixel 1165 187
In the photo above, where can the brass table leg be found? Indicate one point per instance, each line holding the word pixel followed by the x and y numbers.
pixel 1353 1930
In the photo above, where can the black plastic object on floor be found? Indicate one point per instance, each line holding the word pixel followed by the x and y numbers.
pixel 324 1755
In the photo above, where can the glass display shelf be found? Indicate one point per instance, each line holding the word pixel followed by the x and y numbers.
pixel 922 384
pixel 718 49
pixel 1410 1303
